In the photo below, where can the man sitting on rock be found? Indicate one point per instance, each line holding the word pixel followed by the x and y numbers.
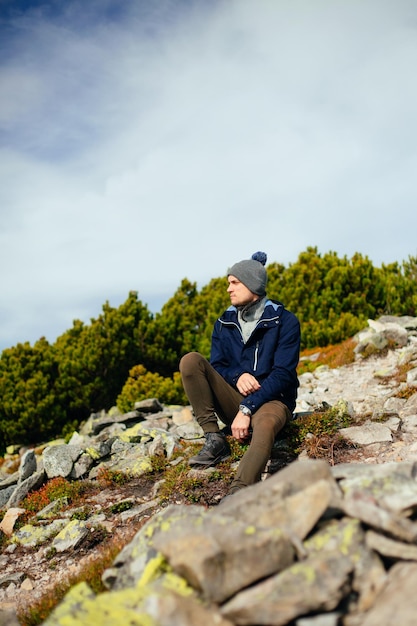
pixel 251 381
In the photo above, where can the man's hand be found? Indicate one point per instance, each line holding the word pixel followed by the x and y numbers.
pixel 240 426
pixel 247 384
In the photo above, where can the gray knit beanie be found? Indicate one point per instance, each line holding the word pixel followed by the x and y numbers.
pixel 251 273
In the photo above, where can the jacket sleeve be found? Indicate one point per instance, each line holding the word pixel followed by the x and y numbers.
pixel 282 380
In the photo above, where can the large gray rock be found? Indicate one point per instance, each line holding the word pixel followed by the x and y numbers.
pixel 397 604
pixel 277 501
pixel 369 432
pixel 35 481
pixel 219 556
pixel 70 536
pixel 59 460
pixel 28 465
pixel 410 407
pixel 315 584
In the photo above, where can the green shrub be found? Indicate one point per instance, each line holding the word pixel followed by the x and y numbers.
pixel 142 384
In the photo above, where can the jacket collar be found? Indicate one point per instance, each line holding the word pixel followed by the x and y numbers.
pixel 276 307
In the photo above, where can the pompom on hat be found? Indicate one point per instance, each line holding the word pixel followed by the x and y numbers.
pixel 251 273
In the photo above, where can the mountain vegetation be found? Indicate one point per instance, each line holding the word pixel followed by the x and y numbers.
pixel 127 353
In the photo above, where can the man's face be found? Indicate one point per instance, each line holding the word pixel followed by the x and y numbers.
pixel 239 294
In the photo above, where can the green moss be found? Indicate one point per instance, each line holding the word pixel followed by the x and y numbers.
pixel 153 570
pixel 95 455
pixel 345 537
pixel 81 607
pixel 176 583
pixel 305 571
pixel 119 507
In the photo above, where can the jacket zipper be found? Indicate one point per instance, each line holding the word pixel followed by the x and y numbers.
pixel 255 362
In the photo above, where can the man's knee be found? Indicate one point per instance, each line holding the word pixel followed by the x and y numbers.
pixel 272 416
pixel 189 362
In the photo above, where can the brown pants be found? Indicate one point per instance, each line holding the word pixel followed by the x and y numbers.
pixel 210 395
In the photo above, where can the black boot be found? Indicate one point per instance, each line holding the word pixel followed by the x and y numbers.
pixel 215 450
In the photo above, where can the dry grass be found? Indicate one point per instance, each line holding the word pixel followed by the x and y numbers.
pixel 333 356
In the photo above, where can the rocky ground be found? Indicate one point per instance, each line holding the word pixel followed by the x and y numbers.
pixel 27 574
pixel 36 572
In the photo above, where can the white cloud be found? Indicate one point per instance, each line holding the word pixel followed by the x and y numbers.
pixel 170 143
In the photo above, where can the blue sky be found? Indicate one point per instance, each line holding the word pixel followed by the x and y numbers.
pixel 143 142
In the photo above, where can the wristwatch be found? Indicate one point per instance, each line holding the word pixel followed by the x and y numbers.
pixel 244 409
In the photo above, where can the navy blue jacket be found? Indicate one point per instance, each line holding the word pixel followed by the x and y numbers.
pixel 271 354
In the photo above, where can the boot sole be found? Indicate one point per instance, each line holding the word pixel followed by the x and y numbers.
pixel 215 461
